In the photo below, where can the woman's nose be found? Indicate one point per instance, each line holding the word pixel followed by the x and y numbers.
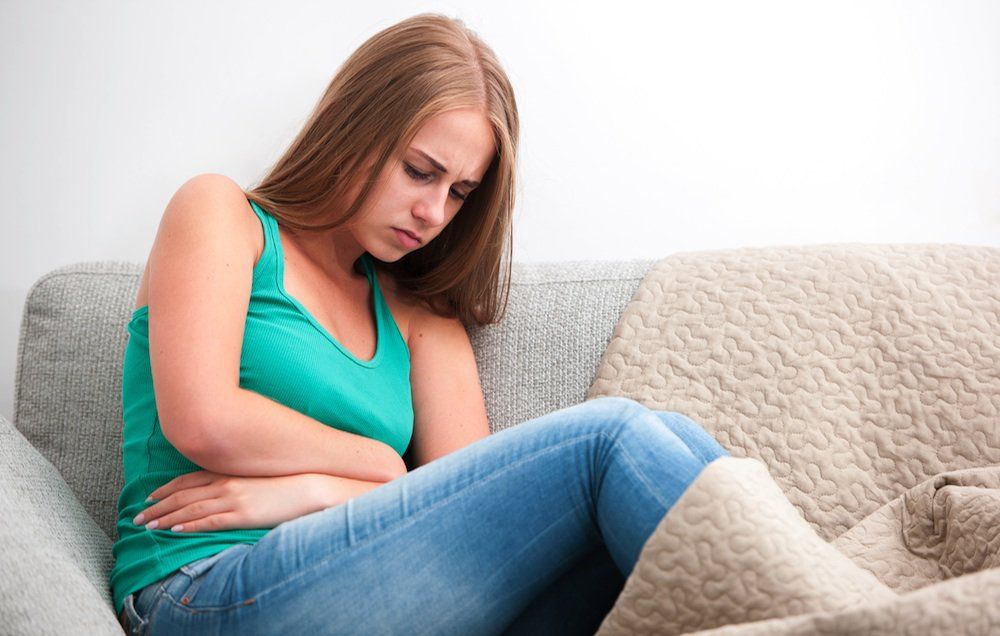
pixel 431 208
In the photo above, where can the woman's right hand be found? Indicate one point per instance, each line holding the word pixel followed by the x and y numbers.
pixel 204 501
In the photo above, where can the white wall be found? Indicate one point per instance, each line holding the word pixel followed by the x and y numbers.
pixel 647 128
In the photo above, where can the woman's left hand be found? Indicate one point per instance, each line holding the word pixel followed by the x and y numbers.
pixel 205 501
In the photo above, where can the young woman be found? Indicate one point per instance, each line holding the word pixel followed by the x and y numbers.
pixel 294 341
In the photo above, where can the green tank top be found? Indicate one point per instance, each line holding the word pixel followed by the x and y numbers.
pixel 286 356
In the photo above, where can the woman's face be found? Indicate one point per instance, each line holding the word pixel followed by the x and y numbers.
pixel 420 191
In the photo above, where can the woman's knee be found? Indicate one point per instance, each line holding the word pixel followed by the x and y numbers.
pixel 619 408
pixel 622 409
pixel 631 427
pixel 693 434
pixel 615 416
pixel 620 414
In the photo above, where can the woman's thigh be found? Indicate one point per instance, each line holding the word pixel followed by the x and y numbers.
pixel 576 603
pixel 460 545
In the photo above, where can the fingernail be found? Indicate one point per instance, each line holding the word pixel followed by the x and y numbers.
pixel 149 498
pixel 152 524
pixel 177 528
pixel 139 519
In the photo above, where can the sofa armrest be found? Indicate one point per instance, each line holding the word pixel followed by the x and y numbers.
pixel 55 560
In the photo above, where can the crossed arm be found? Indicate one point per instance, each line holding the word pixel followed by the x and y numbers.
pixel 449 413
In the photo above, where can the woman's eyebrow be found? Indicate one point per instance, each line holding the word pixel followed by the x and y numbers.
pixel 437 164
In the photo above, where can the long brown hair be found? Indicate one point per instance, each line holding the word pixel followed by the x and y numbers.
pixel 374 106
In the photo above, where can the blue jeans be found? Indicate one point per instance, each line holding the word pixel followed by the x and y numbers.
pixel 530 530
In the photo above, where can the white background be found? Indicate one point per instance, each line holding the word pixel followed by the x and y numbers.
pixel 647 129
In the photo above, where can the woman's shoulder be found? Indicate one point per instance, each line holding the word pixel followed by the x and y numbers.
pixel 411 313
pixel 216 204
pixel 213 196
pixel 214 191
pixel 413 316
pixel 208 219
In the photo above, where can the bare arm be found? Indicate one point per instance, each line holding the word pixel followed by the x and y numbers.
pixel 256 436
pixel 448 404
pixel 332 490
pixel 200 276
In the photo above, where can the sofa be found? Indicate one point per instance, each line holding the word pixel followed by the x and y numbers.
pixel 60 456
pixel 565 338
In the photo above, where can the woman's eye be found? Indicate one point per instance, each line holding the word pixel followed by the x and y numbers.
pixel 416 174
pixel 423 176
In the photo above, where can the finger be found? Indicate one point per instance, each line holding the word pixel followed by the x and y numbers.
pixel 182 519
pixel 229 520
pixel 172 503
pixel 187 480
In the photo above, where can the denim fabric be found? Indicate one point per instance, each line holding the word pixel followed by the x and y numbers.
pixel 530 530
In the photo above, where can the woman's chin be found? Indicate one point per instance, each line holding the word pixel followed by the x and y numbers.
pixel 390 255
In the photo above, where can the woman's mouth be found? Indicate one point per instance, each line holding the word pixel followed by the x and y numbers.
pixel 408 240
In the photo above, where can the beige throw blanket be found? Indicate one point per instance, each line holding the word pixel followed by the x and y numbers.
pixel 858 390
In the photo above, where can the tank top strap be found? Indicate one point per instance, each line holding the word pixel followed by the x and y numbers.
pixel 270 226
pixel 369 266
pixel 387 323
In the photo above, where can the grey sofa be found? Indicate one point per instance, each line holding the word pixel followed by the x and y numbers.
pixel 61 456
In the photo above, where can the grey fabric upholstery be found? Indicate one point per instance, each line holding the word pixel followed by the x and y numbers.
pixel 543 355
pixel 67 394
pixel 54 559
pixel 62 477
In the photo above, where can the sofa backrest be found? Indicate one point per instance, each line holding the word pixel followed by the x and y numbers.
pixel 67 396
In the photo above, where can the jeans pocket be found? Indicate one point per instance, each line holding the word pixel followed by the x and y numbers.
pixel 136 622
pixel 185 583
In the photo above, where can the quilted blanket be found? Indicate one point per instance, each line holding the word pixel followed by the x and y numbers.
pixel 858 390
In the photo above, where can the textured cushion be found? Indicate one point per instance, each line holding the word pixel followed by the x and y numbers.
pixel 943 609
pixel 946 526
pixel 68 390
pixel 854 372
pixel 867 380
pixel 734 550
pixel 54 558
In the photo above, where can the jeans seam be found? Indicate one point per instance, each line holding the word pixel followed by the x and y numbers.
pixel 642 477
pixel 406 523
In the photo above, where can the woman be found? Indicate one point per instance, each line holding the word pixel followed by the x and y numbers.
pixel 291 343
